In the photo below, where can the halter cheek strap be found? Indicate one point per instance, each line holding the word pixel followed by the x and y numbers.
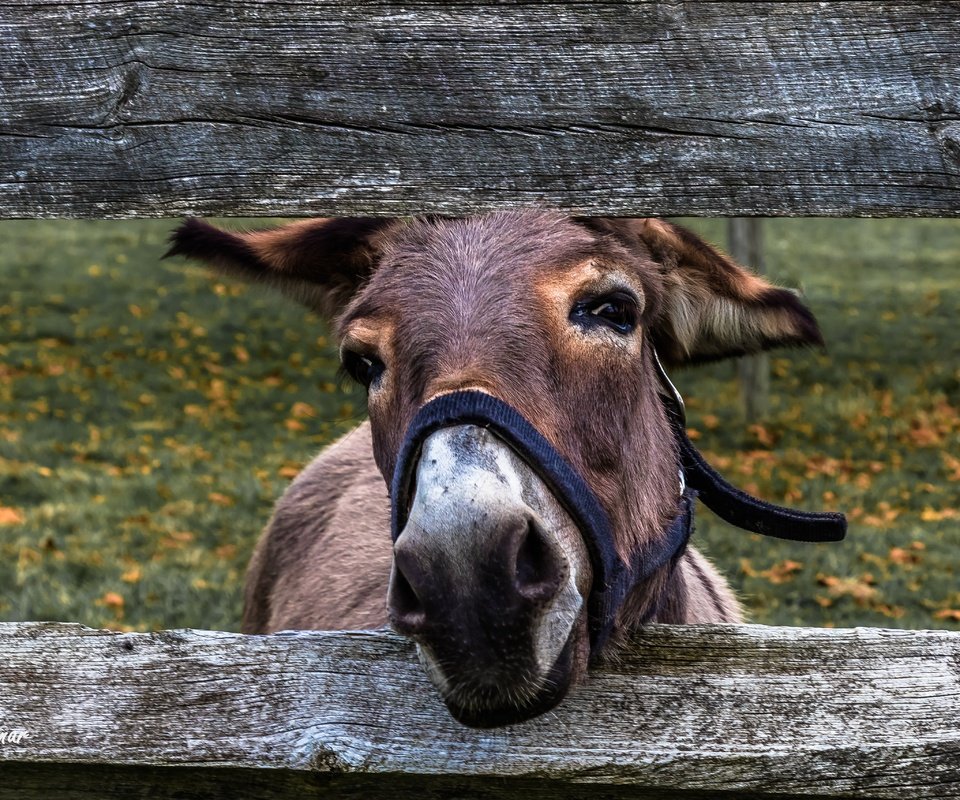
pixel 734 505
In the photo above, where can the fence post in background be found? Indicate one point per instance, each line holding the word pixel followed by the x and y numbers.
pixel 746 246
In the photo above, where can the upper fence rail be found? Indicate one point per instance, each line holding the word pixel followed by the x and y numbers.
pixel 111 108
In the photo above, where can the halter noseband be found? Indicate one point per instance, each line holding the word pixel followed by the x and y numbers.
pixel 612 578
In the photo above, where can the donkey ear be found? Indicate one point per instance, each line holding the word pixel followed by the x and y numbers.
pixel 318 262
pixel 712 307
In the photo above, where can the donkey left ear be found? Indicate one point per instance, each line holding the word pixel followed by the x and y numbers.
pixel 712 307
pixel 318 262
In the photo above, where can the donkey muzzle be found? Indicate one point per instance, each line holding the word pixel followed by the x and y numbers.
pixel 489 578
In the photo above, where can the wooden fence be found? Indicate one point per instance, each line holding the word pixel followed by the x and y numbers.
pixel 128 109
pixel 690 711
pixel 150 108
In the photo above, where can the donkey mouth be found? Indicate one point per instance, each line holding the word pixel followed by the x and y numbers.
pixel 497 706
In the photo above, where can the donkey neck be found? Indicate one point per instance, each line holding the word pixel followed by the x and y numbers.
pixel 663 598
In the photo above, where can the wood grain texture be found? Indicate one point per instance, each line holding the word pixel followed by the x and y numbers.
pixel 120 108
pixel 693 711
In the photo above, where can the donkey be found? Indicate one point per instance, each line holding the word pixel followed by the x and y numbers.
pixel 535 530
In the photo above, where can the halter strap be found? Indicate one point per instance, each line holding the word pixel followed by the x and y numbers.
pixel 734 505
pixel 613 579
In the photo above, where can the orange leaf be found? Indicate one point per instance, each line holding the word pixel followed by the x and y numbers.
pixel 859 589
pixel 10 516
pixel 952 464
pixel 899 555
pixel 890 611
pixel 132 575
pixel 290 470
pixel 300 410
pixel 220 499
pixel 932 515
pixel 112 599
pixel 782 572
pixel 952 614
pixel 763 435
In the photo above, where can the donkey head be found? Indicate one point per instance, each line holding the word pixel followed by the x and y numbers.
pixel 559 318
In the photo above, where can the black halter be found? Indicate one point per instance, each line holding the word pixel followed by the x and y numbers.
pixel 612 578
pixel 734 505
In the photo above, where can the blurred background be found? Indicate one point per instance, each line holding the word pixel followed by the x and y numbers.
pixel 150 415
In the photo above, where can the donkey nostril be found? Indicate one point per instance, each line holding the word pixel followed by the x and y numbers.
pixel 538 570
pixel 406 610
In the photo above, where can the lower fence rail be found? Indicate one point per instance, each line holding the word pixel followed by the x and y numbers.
pixel 686 711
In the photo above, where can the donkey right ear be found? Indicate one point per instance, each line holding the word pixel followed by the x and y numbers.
pixel 318 262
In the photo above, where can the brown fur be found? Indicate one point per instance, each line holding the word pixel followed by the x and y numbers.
pixel 483 302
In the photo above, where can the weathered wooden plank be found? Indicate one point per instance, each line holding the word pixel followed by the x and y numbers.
pixel 693 711
pixel 122 108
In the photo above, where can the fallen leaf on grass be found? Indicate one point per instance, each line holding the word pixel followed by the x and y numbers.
pixel 952 614
pixel 300 410
pixel 176 540
pixel 132 575
pixel 762 435
pixel 952 464
pixel 859 589
pixel 289 470
pixel 900 555
pixel 10 516
pixel 894 612
pixel 782 572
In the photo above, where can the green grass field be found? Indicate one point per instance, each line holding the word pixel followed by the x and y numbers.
pixel 151 414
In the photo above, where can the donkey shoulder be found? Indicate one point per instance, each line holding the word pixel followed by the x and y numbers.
pixel 323 561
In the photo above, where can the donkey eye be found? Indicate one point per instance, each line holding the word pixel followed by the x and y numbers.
pixel 364 368
pixel 617 311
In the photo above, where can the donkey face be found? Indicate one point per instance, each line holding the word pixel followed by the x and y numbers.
pixel 558 318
